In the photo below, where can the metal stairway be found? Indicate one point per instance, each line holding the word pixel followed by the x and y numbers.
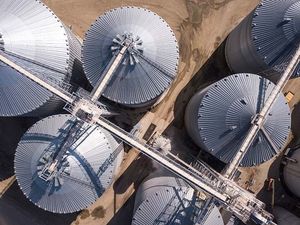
pixel 166 218
pixel 235 199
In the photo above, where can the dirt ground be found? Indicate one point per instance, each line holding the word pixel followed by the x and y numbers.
pixel 293 86
pixel 200 27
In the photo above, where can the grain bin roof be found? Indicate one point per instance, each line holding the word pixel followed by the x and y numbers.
pixel 291 173
pixel 266 40
pixel 148 67
pixel 86 170
pixel 224 114
pixel 170 200
pixel 276 30
pixel 34 38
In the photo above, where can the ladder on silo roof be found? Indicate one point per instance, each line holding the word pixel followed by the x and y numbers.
pixel 209 206
pixel 259 119
pixel 173 206
pixel 113 156
pixel 229 194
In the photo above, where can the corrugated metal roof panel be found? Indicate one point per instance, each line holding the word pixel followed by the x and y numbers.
pixel 169 200
pixel 266 39
pixel 87 168
pixel 137 81
pixel 276 32
pixel 219 117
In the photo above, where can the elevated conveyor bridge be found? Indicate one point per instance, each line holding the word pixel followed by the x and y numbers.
pixel 240 202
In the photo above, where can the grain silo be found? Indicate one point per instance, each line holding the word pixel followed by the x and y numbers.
pixel 266 39
pixel 291 172
pixel 61 174
pixel 149 64
pixel 284 217
pixel 219 117
pixel 165 199
pixel 34 38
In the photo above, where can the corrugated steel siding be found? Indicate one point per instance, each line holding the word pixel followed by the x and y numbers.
pixel 32 31
pixel 160 200
pixel 168 200
pixel 132 85
pixel 265 40
pixel 79 189
pixel 229 104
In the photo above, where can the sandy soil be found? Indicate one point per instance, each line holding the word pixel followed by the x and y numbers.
pixel 293 86
pixel 200 27
pixel 266 170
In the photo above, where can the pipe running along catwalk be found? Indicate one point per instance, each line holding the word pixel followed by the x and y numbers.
pixel 237 200
pixel 148 66
pixel 102 83
pixel 260 118
pixel 104 123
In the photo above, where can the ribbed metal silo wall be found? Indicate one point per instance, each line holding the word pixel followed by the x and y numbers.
pixel 40 44
pixel 191 117
pixel 241 55
pixel 265 40
pixel 85 171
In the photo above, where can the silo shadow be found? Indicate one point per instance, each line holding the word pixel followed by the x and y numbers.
pixel 213 70
pixel 134 175
pixel 11 131
pixel 16 209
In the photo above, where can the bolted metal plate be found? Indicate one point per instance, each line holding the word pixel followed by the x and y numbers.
pixel 87 168
pixel 266 39
pixel 34 38
pixel 149 66
pixel 219 117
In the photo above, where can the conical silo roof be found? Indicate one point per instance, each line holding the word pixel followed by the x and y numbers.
pixel 219 117
pixel 34 38
pixel 84 172
pixel 267 39
pixel 169 200
pixel 148 67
